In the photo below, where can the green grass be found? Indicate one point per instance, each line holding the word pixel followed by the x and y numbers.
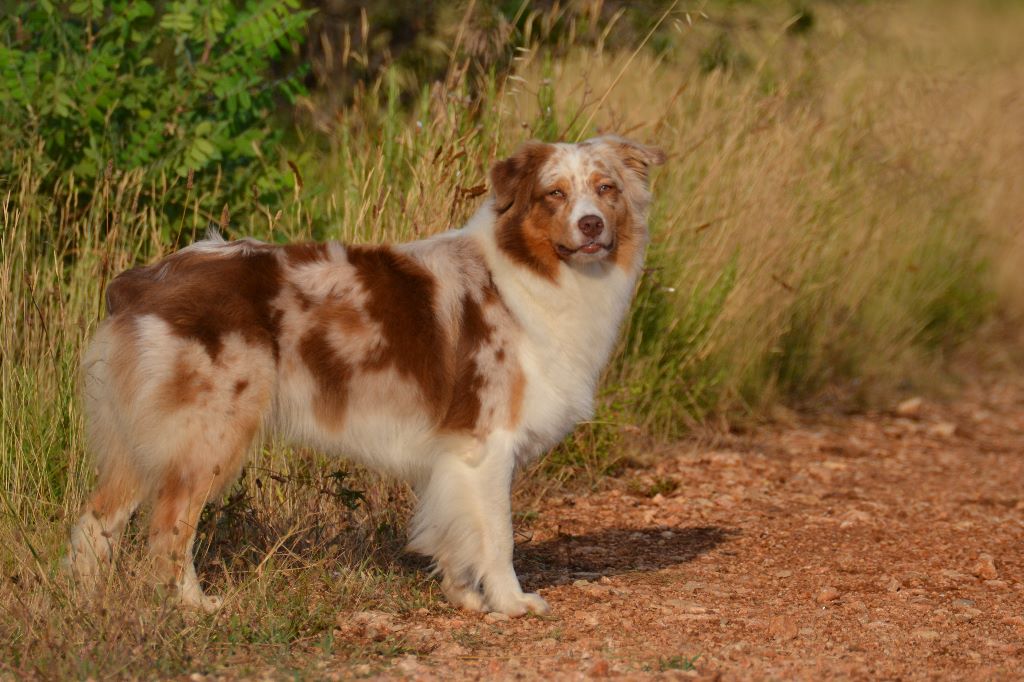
pixel 677 663
pixel 841 205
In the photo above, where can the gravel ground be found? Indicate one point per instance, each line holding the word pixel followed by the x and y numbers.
pixel 883 545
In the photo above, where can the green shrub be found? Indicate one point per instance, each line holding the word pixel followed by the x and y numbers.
pixel 179 89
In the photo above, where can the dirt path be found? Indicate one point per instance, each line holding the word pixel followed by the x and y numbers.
pixel 872 546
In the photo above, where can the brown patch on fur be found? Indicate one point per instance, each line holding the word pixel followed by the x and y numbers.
pixel 523 217
pixel 331 373
pixel 171 495
pixel 536 235
pixel 128 287
pixel 344 315
pixel 628 240
pixel 464 409
pixel 310 252
pixel 176 509
pixel 400 297
pixel 228 468
pixel 304 301
pixel 205 296
pixel 515 398
pixel 185 386
pixel 602 177
pixel 240 386
pixel 116 490
pixel 491 294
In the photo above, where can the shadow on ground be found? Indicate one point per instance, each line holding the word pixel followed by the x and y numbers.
pixel 240 533
pixel 614 551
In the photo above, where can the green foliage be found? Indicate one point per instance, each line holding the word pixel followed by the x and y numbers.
pixel 179 89
pixel 592 452
pixel 952 284
pixel 677 663
pixel 665 366
pixel 722 54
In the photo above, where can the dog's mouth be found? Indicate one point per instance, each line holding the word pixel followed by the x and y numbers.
pixel 589 248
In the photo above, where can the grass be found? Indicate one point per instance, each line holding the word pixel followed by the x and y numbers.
pixel 841 207
pixel 677 663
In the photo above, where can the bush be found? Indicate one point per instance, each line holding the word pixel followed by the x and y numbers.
pixel 178 89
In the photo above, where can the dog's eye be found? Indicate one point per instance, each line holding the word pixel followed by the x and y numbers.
pixel 557 194
pixel 605 188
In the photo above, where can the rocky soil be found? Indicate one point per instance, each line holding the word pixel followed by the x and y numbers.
pixel 884 545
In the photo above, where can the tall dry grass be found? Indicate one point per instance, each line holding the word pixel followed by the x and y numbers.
pixel 848 210
pixel 840 206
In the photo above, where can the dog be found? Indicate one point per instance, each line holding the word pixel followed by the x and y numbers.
pixel 446 362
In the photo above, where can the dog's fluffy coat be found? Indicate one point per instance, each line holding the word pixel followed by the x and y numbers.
pixel 444 362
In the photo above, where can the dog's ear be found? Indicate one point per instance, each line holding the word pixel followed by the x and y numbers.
pixel 514 178
pixel 637 158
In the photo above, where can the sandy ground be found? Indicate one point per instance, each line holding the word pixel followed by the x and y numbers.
pixel 882 546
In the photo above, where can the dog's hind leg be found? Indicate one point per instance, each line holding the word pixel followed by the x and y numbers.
pixel 184 489
pixel 95 536
pixel 121 485
pixel 212 411
pixel 178 503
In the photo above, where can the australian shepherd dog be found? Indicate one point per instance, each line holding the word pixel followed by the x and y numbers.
pixel 446 362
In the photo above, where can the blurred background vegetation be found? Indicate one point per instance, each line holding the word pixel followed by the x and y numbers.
pixel 840 214
pixel 227 92
pixel 840 219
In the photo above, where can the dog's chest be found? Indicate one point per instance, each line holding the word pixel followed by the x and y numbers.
pixel 569 332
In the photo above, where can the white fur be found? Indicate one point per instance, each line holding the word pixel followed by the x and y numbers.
pixel 569 330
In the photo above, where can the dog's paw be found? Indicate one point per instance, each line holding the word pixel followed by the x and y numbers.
pixel 520 604
pixel 195 599
pixel 81 568
pixel 210 604
pixel 464 597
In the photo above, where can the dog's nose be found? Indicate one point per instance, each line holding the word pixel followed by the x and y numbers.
pixel 591 225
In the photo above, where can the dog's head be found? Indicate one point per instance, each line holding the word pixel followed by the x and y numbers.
pixel 574 203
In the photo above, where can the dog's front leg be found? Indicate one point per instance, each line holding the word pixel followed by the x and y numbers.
pixel 464 521
pixel 500 583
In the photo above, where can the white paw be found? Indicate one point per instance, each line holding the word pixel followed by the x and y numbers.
pixel 464 597
pixel 471 601
pixel 81 567
pixel 211 604
pixel 520 604
pixel 195 599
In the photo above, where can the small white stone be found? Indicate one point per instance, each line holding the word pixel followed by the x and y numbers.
pixel 911 407
pixel 827 594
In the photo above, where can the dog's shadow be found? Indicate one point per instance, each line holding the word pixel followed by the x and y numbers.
pixel 613 551
pixel 241 535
